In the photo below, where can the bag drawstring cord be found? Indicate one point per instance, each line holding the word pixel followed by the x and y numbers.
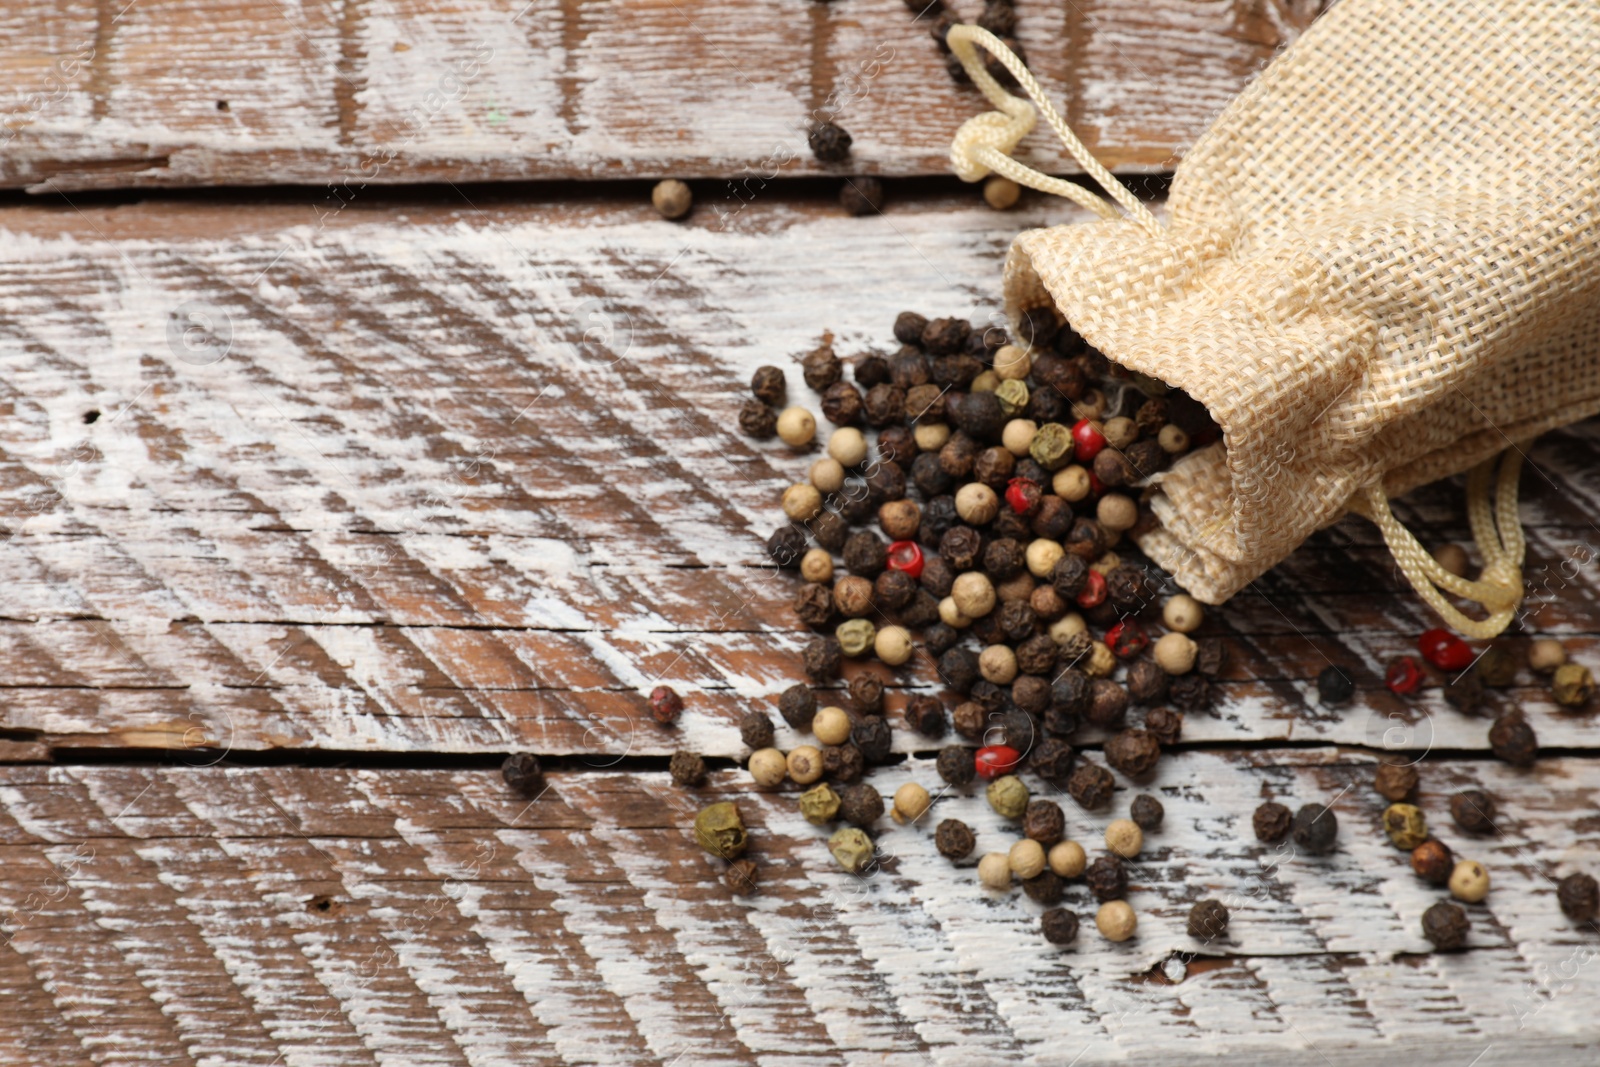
pixel 983 145
pixel 1497 530
pixel 985 142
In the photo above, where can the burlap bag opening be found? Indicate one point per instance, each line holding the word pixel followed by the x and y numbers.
pixel 1380 267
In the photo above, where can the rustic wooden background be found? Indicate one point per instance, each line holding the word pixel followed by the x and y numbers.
pixel 316 500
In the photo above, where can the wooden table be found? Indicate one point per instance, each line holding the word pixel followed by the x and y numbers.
pixel 318 500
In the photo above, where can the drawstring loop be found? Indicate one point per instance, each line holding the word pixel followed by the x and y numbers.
pixel 984 143
pixel 1496 528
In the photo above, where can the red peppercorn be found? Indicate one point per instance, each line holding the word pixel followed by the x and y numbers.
pixel 1445 650
pixel 1087 440
pixel 1127 638
pixel 906 556
pixel 1403 676
pixel 665 704
pixel 995 760
pixel 1094 590
pixel 1097 488
pixel 1023 495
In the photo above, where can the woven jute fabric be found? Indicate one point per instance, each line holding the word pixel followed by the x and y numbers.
pixel 1380 265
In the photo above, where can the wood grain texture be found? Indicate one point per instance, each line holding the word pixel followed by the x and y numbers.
pixel 295 916
pixel 457 477
pixel 345 96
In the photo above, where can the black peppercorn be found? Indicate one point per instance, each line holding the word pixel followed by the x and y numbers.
pixel 893 590
pixel 1151 416
pixel 786 545
pixel 1012 727
pixel 928 475
pixel 1128 588
pixel 1017 620
pixel 522 774
pixel 1147 812
pixel 813 604
pixel 1052 760
pixel 866 694
pixel 1211 656
pixel 1147 683
pixel 820 367
pixel 1497 667
pixel 921 613
pixel 829 143
pixel 955 372
pixel 1044 821
pixel 1087 541
pixel 1069 575
pixel 1271 821
pixel 978 414
pixel 865 554
pixel 755 730
pixel 886 481
pixel 1059 376
pixel 909 369
pixel 1047 406
pixel 1091 785
pixel 830 530
pixel 687 769
pixel 871 370
pixel 937 576
pixel 946 337
pixel 939 638
pixel 1579 897
pixel 798 706
pixel 1190 692
pixel 884 405
pixel 1315 829
pixel 898 445
pixel 960 547
pixel 958 454
pixel 741 877
pixel 1334 687
pixel 1108 703
pixel 860 805
pixel 908 327
pixel 843 763
pixel 872 736
pixel 993 467
pixel 768 385
pixel 1113 468
pixel 861 196
pixel 1446 925
pixel 957 765
pixel 841 404
pixel 856 503
pixel 1046 887
pixel 1060 926
pixel 938 518
pixel 1106 878
pixel 1464 692
pixel 940 32
pixel 1164 725
pixel 1031 694
pixel 1133 752
pixel 1003 559
pixel 958 668
pixel 925 404
pixel 1208 920
pixel 1513 740
pixel 1473 811
pixel 954 839
pixel 758 420
pixel 1052 520
pixel 925 715
pixel 1146 458
pixel 821 658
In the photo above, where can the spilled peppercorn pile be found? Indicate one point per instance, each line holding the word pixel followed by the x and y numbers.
pixel 975 503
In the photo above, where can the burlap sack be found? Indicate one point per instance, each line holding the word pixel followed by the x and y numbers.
pixel 1380 267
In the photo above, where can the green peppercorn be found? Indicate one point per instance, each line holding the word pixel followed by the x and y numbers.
pixel 819 804
pixel 852 848
pixel 1052 446
pixel 720 830
pixel 1008 796
pixel 1013 396
pixel 1405 825
pixel 1572 685
pixel 856 636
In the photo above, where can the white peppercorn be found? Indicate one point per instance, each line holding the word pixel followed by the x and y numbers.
pixel 797 427
pixel 1545 654
pixel 1067 627
pixel 768 768
pixel 1001 193
pixel 1172 439
pixel 1072 483
pixel 977 504
pixel 827 474
pixel 893 645
pixel 1116 921
pixel 671 198
pixel 802 502
pixel 1017 437
pixel 816 565
pixel 1469 881
pixel 1116 512
pixel 1042 556
pixel 1182 613
pixel 973 594
pixel 994 870
pixel 1453 558
pixel 930 436
pixel 1175 653
pixel 998 664
pixel 1012 363
pixel 1124 837
pixel 911 801
pixel 804 764
pixel 847 446
pixel 950 614
pixel 1067 859
pixel 831 726
pixel 1026 858
pixel 1120 432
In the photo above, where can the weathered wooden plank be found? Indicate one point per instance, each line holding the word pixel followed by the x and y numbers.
pixel 404 509
pixel 347 96
pixel 347 916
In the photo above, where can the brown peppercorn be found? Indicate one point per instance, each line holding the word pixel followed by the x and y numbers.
pixel 925 404
pixel 866 694
pixel 1395 781
pixel 1037 655
pixel 665 704
pixel 741 877
pixel 830 529
pixel 970 719
pixel 1473 811
pixel 1133 752
pixel 769 385
pixel 937 575
pixel 1044 822
pixel 1164 725
pixel 884 404
pixel 871 734
pixel 1190 692
pixel 1147 458
pixel 843 763
pixel 957 765
pixel 909 369
pixel 1446 925
pixel 813 604
pixel 954 839
pixel 1513 740
pixel 925 715
pixel 798 706
pixel 1433 862
pixel 1271 821
pixel 820 367
pixel 1497 667
pixel 946 337
pixel 1464 692
pixel 900 519
pixel 688 769
pixel 1579 897
pixel 1208 920
pixel 860 805
pixel 958 455
pixel 1107 878
pixel 755 730
pixel 1031 694
pixel 1091 785
pixel 1315 829
pixel 1087 541
pixel 821 658
pixel 897 444
pixel 829 143
pixel 908 325
pixel 1113 469
pixel 1151 416
pixel 758 420
pixel 993 467
pixel 1045 602
pixel 1060 926
pixel 1108 703
pixel 1147 812
pixel 1147 683
pixel 522 774
pixel 1045 888
pixel 1052 760
pixel 842 404
pixel 785 547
